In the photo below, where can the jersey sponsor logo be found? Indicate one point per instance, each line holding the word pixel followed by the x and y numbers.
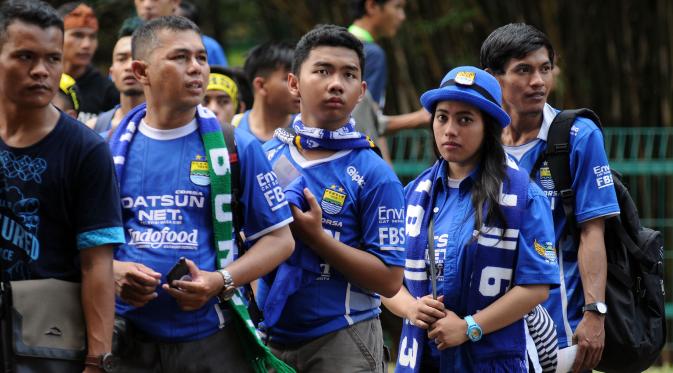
pixel 333 199
pixel 164 238
pixel 546 251
pixel 198 171
pixel 388 215
pixel 324 272
pixel 603 176
pixel 355 176
pixel 545 177
pixel 273 192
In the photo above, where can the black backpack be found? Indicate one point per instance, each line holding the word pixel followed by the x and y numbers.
pixel 635 325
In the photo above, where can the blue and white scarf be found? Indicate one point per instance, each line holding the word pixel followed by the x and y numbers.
pixel 503 350
pixel 343 138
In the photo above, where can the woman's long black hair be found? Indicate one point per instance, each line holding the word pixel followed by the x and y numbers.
pixel 486 191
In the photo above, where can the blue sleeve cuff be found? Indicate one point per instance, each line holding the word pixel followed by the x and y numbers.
pixel 98 237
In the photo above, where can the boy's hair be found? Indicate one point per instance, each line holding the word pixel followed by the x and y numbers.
pixel 33 12
pixel 190 11
pixel 129 26
pixel 68 7
pixel 358 10
pixel 266 58
pixel 327 36
pixel 514 40
pixel 144 39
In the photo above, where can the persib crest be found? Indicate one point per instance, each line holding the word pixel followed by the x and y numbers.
pixel 333 200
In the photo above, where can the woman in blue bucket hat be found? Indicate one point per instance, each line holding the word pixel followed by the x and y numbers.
pixel 479 241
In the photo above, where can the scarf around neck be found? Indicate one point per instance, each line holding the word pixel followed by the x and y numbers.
pixel 304 137
pixel 219 171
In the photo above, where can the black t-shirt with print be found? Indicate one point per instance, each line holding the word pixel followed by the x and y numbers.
pixel 57 196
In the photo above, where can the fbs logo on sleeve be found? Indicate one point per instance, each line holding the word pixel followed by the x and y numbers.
pixel 198 171
pixel 333 200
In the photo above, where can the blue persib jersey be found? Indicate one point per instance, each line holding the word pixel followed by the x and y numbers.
pixel 244 124
pixel 363 207
pixel 594 198
pixel 167 214
pixel 453 231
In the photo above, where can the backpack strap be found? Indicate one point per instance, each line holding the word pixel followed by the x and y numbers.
pixel 557 156
pixel 236 190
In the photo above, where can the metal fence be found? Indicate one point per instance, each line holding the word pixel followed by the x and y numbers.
pixel 643 155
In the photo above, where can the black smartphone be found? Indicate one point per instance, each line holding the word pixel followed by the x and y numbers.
pixel 178 272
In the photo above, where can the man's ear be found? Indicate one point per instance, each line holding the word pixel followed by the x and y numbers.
pixel 258 85
pixel 139 69
pixel 363 91
pixel 293 85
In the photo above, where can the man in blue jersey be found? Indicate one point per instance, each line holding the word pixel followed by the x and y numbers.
pixel 176 203
pixel 266 68
pixel 349 219
pixel 522 59
pixel 59 202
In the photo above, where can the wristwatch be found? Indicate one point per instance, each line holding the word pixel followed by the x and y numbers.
pixel 598 307
pixel 106 361
pixel 474 332
pixel 229 288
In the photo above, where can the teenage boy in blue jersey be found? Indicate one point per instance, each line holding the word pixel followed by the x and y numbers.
pixel 266 68
pixel 174 205
pixel 522 59
pixel 350 218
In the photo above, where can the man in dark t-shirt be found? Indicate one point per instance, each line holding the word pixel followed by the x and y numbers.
pixel 80 43
pixel 59 201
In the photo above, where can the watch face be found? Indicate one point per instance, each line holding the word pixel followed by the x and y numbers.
pixel 602 308
pixel 475 333
pixel 108 362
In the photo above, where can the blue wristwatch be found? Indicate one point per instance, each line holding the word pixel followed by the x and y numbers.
pixel 474 332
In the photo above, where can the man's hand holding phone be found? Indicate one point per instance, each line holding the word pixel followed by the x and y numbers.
pixel 192 294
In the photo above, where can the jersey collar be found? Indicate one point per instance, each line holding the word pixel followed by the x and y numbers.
pixel 361 33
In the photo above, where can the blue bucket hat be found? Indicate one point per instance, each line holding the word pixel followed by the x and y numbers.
pixel 472 86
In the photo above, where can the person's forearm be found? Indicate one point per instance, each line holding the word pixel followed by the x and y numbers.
pixel 399 303
pixel 265 255
pixel 511 307
pixel 359 266
pixel 592 261
pixel 406 121
pixel 98 298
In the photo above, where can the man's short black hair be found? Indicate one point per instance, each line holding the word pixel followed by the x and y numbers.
pixel 358 7
pixel 266 58
pixel 327 36
pixel 33 12
pixel 68 7
pixel 514 40
pixel 129 26
pixel 145 37
pixel 190 11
